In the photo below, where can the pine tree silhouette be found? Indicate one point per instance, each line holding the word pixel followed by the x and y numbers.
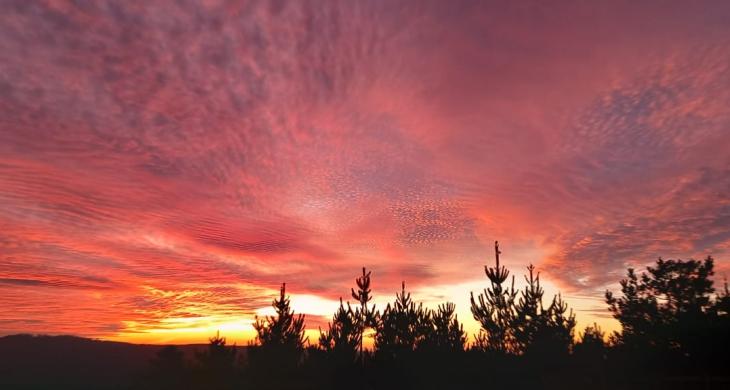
pixel 592 342
pixel 447 334
pixel 538 330
pixel 494 310
pixel 281 335
pixel 403 326
pixel 218 357
pixel 216 364
pixel 366 316
pixel 343 335
pixel 662 307
pixel 519 326
pixel 168 370
pixel 530 317
pixel 722 302
pixel 558 332
pixel 591 357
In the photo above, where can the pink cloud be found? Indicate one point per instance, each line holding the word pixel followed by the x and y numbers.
pixel 167 160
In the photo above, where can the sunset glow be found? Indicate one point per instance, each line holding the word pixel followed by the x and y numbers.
pixel 165 167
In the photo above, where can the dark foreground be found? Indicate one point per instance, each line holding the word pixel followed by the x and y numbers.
pixel 62 362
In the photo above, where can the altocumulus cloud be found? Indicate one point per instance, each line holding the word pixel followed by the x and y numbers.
pixel 178 160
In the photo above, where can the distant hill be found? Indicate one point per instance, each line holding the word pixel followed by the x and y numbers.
pixel 68 362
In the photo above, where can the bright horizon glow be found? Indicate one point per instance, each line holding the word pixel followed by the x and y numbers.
pixel 319 311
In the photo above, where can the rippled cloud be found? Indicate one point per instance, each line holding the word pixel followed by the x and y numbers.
pixel 165 166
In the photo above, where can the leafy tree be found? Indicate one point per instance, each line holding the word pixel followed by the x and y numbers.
pixel 282 334
pixel 403 326
pixel 494 309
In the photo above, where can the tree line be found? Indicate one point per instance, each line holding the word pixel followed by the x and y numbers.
pixel 675 333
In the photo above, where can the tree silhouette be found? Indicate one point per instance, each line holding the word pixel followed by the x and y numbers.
pixel 281 335
pixel 403 326
pixel 218 356
pixel 216 364
pixel 722 303
pixel 169 359
pixel 670 320
pixel 530 317
pixel 343 335
pixel 447 334
pixel 592 342
pixel 591 357
pixel 658 308
pixel 494 310
pixel 168 370
pixel 538 330
pixel 509 325
pixel 366 316
pixel 558 335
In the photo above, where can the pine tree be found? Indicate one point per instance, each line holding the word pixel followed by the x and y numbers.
pixel 218 357
pixel 538 330
pixel 447 334
pixel 168 369
pixel 722 302
pixel 592 342
pixel 591 355
pixel 519 326
pixel 343 335
pixel 403 326
pixel 494 310
pixel 669 314
pixel 559 329
pixel 662 308
pixel 530 316
pixel 282 334
pixel 365 315
pixel 217 364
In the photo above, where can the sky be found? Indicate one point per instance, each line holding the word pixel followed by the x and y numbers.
pixel 165 166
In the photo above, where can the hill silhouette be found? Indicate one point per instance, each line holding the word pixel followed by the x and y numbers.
pixel 44 362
